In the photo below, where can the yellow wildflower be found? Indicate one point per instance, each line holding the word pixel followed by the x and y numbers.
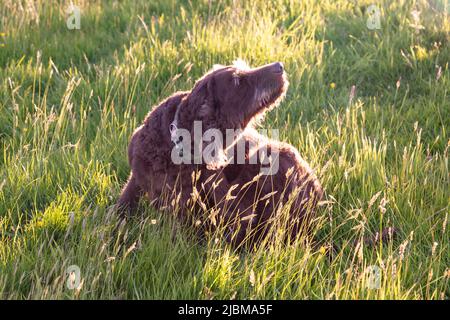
pixel 421 53
pixel 322 250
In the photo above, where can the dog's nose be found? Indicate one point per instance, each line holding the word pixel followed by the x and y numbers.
pixel 277 67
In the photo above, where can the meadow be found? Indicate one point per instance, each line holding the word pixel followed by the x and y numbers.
pixel 368 108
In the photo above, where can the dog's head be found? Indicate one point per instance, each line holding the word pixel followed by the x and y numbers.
pixel 232 96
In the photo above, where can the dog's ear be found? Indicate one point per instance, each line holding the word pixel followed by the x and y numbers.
pixel 205 103
pixel 213 153
pixel 208 108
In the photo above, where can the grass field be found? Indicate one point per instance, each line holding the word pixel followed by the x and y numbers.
pixel 70 99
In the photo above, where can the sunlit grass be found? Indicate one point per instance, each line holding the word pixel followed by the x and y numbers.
pixel 70 99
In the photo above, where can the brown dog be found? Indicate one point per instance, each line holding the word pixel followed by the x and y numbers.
pixel 228 97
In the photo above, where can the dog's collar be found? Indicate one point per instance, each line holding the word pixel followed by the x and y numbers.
pixel 174 136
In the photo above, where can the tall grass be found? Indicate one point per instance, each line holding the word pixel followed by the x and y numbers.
pixel 70 99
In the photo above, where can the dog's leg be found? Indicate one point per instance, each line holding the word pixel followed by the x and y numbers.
pixel 129 197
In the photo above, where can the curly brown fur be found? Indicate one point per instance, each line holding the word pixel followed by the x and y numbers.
pixel 228 97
